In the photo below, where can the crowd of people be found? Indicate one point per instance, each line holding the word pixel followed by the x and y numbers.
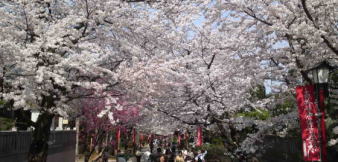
pixel 173 155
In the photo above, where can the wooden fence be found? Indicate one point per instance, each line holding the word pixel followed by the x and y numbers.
pixel 14 146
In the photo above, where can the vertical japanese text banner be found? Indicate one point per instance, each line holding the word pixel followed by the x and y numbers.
pixel 308 122
pixel 199 141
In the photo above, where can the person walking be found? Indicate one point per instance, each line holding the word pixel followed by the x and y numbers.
pixel 169 156
pixel 151 145
pixel 105 155
pixel 138 155
pixel 146 156
pixel 200 156
pixel 179 157
pixel 155 157
pixel 162 158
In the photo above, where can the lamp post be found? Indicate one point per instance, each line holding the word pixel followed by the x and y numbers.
pixel 319 75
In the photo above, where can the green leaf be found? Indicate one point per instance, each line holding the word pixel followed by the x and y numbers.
pixel 2 102
pixel 259 114
pixel 6 123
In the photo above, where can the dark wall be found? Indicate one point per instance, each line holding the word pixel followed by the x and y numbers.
pixel 14 146
pixel 282 149
pixel 19 116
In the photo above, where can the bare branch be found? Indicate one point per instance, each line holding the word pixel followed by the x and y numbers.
pixel 309 16
pixel 253 15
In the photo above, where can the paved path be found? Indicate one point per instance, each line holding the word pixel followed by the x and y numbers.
pixel 82 160
pixel 143 150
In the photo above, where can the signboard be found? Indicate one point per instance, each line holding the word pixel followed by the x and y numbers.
pixel 65 121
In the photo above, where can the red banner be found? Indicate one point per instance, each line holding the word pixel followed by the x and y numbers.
pixel 179 139
pixel 309 123
pixel 118 137
pixel 199 137
pixel 141 138
pixel 150 138
pixel 134 136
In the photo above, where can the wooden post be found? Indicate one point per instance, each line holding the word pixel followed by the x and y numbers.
pixel 77 125
pixel 91 144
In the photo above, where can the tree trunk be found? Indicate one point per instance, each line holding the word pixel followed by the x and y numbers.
pixel 228 142
pixel 38 149
pixel 97 141
pixel 86 158
pixel 87 148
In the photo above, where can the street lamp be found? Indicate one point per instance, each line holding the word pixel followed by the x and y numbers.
pixel 319 75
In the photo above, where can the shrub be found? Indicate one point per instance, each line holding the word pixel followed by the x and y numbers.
pixel 6 124
pixel 215 153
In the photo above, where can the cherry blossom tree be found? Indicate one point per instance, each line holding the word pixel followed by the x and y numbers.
pixel 46 67
pixel 186 62
pixel 239 45
pixel 97 125
pixel 287 37
pixel 291 35
pixel 52 49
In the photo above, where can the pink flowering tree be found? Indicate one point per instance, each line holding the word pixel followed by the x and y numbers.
pixel 101 116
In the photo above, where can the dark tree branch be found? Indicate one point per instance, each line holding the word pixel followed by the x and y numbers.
pixel 30 35
pixel 211 61
pixel 330 45
pixel 309 16
pixel 287 81
pixel 87 17
pixel 253 15
pixel 303 73
pixel 291 22
pixel 307 12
